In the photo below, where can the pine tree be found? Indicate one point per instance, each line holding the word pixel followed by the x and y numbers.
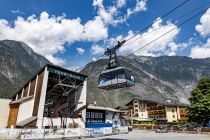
pixel 199 110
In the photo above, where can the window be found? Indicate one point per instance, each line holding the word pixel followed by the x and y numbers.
pixel 136 106
pixel 100 115
pixel 143 106
pixel 136 110
pixel 88 115
pixel 121 76
pixel 172 111
pixel 173 116
pixel 135 101
pixel 96 115
pixel 92 114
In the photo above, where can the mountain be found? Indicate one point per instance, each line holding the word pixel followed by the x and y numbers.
pixel 157 78
pixel 18 63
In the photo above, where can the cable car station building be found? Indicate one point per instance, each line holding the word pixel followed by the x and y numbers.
pixel 53 97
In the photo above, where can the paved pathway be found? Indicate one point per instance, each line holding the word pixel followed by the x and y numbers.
pixel 151 135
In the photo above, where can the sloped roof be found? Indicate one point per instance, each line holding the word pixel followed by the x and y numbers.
pixel 91 106
pixel 42 69
pixel 165 102
pixel 27 121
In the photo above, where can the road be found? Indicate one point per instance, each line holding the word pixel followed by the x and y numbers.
pixel 150 135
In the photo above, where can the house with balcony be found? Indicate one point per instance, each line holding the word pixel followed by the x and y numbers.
pixel 146 111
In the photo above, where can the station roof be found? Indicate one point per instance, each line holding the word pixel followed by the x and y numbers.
pixel 42 69
pixel 91 106
pixel 165 102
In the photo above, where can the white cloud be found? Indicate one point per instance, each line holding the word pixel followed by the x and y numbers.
pixel 140 6
pixel 106 14
pixel 47 34
pixel 201 52
pixel 17 11
pixel 111 15
pixel 198 52
pixel 164 45
pixel 94 59
pixel 95 30
pixel 81 51
pixel 173 47
pixel 204 27
pixel 121 3
pixel 96 49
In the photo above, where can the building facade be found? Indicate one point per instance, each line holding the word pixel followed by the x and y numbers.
pixel 144 110
pixel 97 116
pixel 4 112
pixel 49 99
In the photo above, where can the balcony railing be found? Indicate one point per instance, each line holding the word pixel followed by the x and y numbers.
pixel 156 113
pixel 156 108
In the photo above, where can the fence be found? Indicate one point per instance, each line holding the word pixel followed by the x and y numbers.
pixel 59 133
pixel 176 128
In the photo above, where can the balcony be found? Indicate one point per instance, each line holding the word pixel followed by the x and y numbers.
pixel 156 108
pixel 183 113
pixel 157 113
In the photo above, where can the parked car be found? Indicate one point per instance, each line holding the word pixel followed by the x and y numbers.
pixel 161 129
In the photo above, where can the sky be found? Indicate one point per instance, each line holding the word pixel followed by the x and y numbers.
pixel 71 33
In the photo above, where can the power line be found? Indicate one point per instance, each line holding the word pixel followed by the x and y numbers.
pixel 180 17
pixel 168 32
pixel 179 41
pixel 142 29
pixel 193 33
pixel 90 62
pixel 163 16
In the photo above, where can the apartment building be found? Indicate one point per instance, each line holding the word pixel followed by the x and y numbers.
pixel 167 111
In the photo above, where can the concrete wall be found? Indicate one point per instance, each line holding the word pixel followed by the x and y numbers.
pixel 171 114
pixel 25 110
pixel 4 108
pixel 42 99
pixel 81 95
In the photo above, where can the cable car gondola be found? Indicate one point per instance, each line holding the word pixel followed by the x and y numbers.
pixel 115 76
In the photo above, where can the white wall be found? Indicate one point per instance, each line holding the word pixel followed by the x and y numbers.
pixel 109 116
pixel 4 108
pixel 25 110
pixel 42 99
pixel 116 118
pixel 57 122
pixel 143 113
pixel 170 114
pixel 111 119
pixel 81 95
